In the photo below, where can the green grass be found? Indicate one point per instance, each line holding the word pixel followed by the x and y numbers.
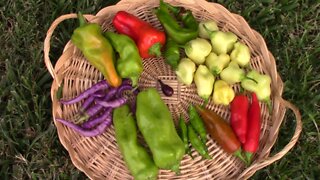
pixel 29 146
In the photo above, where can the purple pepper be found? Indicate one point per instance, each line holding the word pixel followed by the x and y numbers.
pixel 123 88
pixel 113 103
pixel 99 129
pixel 101 85
pixel 92 122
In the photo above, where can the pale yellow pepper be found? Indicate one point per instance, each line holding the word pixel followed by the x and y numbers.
pixel 222 93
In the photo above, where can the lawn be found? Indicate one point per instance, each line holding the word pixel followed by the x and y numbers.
pixel 29 146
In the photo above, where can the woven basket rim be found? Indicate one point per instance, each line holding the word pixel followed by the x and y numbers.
pixel 276 80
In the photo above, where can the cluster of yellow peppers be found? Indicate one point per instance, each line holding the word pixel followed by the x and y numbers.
pixel 216 60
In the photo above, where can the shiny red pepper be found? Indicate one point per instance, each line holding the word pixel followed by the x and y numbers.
pixel 239 116
pixel 253 134
pixel 148 39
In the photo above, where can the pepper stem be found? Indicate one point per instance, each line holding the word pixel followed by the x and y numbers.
pixel 268 101
pixel 248 157
pixel 155 49
pixel 240 156
pixel 251 79
pixel 175 168
pixel 82 20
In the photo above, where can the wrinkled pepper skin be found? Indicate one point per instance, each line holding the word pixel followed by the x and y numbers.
pixel 88 37
pixel 157 127
pixel 148 39
pixel 129 63
pixel 136 157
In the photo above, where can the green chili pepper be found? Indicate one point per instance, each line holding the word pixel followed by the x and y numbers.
pixel 172 53
pixel 96 49
pixel 157 127
pixel 129 63
pixel 197 123
pixel 178 33
pixel 184 134
pixel 138 161
pixel 197 144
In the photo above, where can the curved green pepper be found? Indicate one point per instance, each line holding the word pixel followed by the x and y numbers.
pixel 197 144
pixel 157 127
pixel 129 63
pixel 178 33
pixel 197 123
pixel 138 161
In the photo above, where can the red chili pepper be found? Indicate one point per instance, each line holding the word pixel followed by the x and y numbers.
pixel 221 132
pixel 239 116
pixel 148 39
pixel 253 134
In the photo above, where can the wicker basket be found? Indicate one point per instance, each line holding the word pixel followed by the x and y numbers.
pixel 99 158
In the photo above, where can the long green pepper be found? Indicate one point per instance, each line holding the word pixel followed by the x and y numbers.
pixel 179 34
pixel 129 63
pixel 197 123
pixel 183 132
pixel 197 144
pixel 157 127
pixel 137 159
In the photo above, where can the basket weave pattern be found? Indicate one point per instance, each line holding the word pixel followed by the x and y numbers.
pixel 99 158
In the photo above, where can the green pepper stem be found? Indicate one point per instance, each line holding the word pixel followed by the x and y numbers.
pixel 82 20
pixel 238 154
pixel 268 101
pixel 248 157
pixel 208 31
pixel 251 79
pixel 155 49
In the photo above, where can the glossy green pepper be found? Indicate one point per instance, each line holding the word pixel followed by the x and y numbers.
pixel 96 49
pixel 197 144
pixel 172 27
pixel 197 123
pixel 136 157
pixel 157 127
pixel 172 53
pixel 129 63
pixel 183 132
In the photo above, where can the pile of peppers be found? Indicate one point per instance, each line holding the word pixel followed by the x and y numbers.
pixel 170 18
pixel 119 55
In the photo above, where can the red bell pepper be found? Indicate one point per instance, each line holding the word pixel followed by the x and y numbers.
pixel 253 134
pixel 239 116
pixel 149 40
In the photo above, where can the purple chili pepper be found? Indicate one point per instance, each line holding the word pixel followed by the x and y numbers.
pixel 87 102
pixel 88 132
pixel 110 94
pixel 101 85
pixel 123 88
pixel 93 110
pixel 92 122
pixel 113 103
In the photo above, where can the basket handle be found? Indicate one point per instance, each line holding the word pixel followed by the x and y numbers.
pixel 269 160
pixel 50 31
